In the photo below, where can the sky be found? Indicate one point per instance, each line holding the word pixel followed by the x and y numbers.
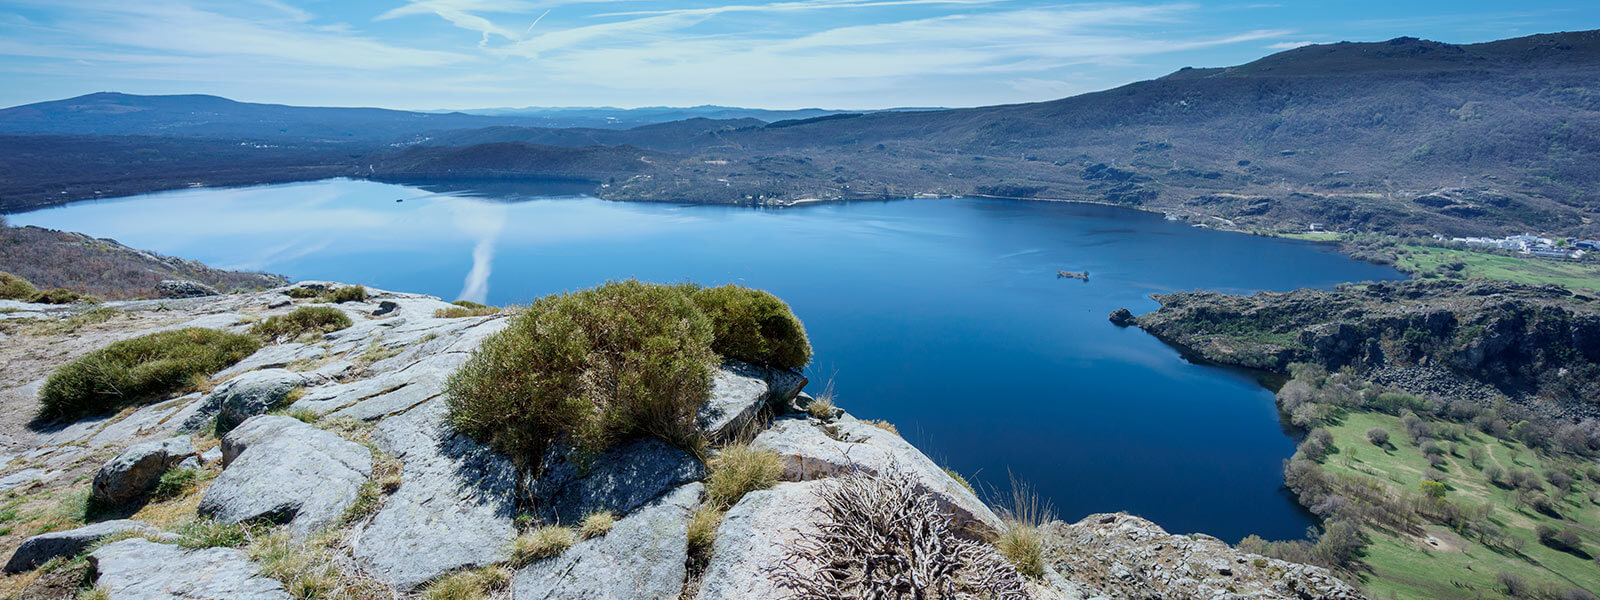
pixel 837 54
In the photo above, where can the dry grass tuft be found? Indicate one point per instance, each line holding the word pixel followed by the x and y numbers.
pixel 740 469
pixel 884 425
pixel 541 543
pixel 1022 544
pixel 882 538
pixel 596 524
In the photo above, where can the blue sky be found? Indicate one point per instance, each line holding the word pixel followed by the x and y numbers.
pixel 852 54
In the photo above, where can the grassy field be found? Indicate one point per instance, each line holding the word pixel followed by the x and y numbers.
pixel 1440 563
pixel 1574 275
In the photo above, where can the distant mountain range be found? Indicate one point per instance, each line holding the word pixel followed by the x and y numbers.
pixel 1401 136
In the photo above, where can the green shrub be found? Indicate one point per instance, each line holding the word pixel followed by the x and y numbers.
pixel 349 293
pixel 175 483
pixel 593 366
pixel 300 321
pixel 207 533
pixel 15 288
pixel 58 296
pixel 738 470
pixel 754 326
pixel 463 308
pixel 302 292
pixel 141 369
pixel 470 304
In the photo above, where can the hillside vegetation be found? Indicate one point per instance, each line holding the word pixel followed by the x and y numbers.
pixel 103 268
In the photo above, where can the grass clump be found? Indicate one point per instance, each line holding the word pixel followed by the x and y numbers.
pixel 302 292
pixel 754 326
pixel 140 369
pixel 596 524
pixel 300 321
pixel 884 425
pixel 703 533
pixel 464 308
pixel 208 533
pixel 822 408
pixel 176 482
pixel 13 287
pixel 740 469
pixel 1022 544
pixel 467 585
pixel 593 367
pixel 541 543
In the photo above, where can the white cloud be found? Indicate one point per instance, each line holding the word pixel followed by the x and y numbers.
pixel 1290 45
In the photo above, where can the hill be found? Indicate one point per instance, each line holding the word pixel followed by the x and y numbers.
pixel 1405 136
pixel 106 269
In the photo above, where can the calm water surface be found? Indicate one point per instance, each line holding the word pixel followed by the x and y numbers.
pixel 942 316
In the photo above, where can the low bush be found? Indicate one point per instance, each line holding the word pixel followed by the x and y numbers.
pixel 738 470
pixel 301 321
pixel 349 293
pixel 140 369
pixel 59 296
pixel 302 292
pixel 591 367
pixel 13 287
pixel 597 366
pixel 754 326
pixel 476 584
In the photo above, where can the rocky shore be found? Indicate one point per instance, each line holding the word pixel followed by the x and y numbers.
pixel 1536 345
pixel 333 458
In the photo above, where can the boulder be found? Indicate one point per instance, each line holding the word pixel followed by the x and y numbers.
pixel 288 473
pixel 183 288
pixel 139 569
pixel 252 394
pixel 812 450
pixel 1121 317
pixel 253 430
pixel 753 539
pixel 621 480
pixel 454 511
pixel 39 549
pixel 642 557
pixel 739 392
pixel 133 472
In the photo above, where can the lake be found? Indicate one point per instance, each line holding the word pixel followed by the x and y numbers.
pixel 943 316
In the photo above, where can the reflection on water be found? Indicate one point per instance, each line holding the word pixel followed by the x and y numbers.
pixel 942 316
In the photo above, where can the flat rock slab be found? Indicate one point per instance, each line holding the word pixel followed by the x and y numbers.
pixel 454 509
pixel 39 549
pixel 740 391
pixel 753 539
pixel 642 557
pixel 140 569
pixel 810 452
pixel 289 472
pixel 621 480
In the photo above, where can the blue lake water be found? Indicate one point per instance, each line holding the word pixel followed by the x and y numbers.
pixel 943 316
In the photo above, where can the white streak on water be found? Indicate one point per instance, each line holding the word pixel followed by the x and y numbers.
pixel 484 221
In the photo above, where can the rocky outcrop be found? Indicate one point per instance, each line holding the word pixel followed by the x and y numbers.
pixel 39 549
pixel 1122 556
pixel 183 288
pixel 289 473
pixel 643 557
pixel 753 539
pixel 621 480
pixel 1121 317
pixel 1524 341
pixel 813 449
pixel 133 472
pixel 140 569
pixel 739 394
pixel 454 509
